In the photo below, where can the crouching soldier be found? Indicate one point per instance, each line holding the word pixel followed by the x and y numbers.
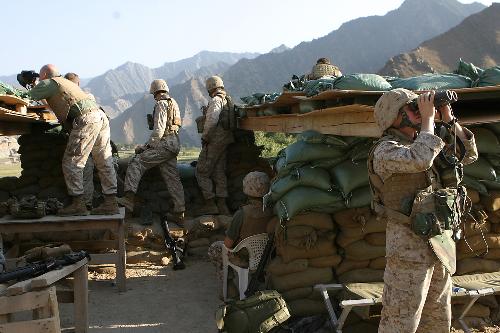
pixel 161 149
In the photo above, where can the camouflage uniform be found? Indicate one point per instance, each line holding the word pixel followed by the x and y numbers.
pixel 211 167
pixel 417 287
pixel 162 150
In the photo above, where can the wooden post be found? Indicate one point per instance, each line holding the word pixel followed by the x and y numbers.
pixel 80 288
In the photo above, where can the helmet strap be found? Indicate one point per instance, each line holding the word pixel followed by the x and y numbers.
pixel 406 122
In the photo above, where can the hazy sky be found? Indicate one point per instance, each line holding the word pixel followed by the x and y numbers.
pixel 92 36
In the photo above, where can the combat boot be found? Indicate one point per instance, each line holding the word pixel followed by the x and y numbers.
pixel 209 208
pixel 176 217
pixel 77 207
pixel 108 207
pixel 222 207
pixel 127 201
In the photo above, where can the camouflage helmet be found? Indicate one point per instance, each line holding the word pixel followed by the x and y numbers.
pixel 214 82
pixel 158 85
pixel 388 105
pixel 256 184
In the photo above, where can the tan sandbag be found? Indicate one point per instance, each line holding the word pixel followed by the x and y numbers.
pixel 478 242
pixel 495 228
pixel 473 195
pixel 378 263
pixel 277 267
pixel 362 275
pixel 472 228
pixel 307 278
pixel 491 202
pixel 477 310
pixel 323 248
pixel 316 220
pixel 343 240
pixel 329 261
pixel 199 242
pixel 348 265
pixel 376 239
pixel 371 226
pixel 306 307
pixel 361 250
pixel 494 217
pixel 298 293
pixel 138 242
pixel 493 254
pixel 300 236
pixel 477 265
pixel 352 218
pixel 135 230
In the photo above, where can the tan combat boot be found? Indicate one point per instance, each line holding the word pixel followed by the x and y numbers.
pixel 108 207
pixel 77 207
pixel 222 207
pixel 176 217
pixel 209 208
pixel 127 201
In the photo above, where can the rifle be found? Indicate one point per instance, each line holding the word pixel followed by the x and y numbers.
pixel 256 277
pixel 41 267
pixel 175 247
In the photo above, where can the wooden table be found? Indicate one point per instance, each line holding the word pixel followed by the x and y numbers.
pixel 114 223
pixel 79 271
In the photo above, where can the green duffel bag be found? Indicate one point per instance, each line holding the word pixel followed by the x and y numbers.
pixel 489 77
pixel 301 151
pixel 259 313
pixel 433 82
pixel 305 176
pixel 348 176
pixel 370 82
pixel 480 169
pixel 486 140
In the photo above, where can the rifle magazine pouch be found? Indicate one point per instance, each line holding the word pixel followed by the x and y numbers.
pixel 259 313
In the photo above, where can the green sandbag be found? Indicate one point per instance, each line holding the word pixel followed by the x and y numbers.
pixel 186 171
pixel 489 77
pixel 495 127
pixel 360 151
pixel 486 141
pixel 311 136
pixel 480 169
pixel 360 197
pixel 328 163
pixel 474 184
pixel 494 160
pixel 306 176
pixel 372 82
pixel 303 198
pixel 491 184
pixel 468 69
pixel 301 151
pixel 433 82
pixel 348 176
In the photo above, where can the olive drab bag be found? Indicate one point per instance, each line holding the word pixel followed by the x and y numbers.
pixel 227 117
pixel 259 313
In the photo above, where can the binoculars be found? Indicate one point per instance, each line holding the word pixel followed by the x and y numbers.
pixel 27 78
pixel 441 98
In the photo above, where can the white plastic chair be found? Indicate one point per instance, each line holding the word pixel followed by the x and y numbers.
pixel 255 246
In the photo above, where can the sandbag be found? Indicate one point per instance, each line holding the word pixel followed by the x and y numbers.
pixel 348 176
pixel 493 254
pixel 477 243
pixel 471 182
pixel 494 160
pixel 472 228
pixel 344 240
pixel 301 151
pixel 371 82
pixel 299 293
pixel 480 169
pixel 323 248
pixel 486 140
pixel 433 82
pixel 306 307
pixel 299 236
pixel 378 263
pixel 473 196
pixel 353 217
pixel 491 185
pixel 319 221
pixel 309 277
pixel 362 275
pixel 491 202
pixel 349 265
pixel 371 226
pixel 360 197
pixel 311 136
pixel 489 77
pixel 495 127
pixel 361 250
pixel 276 267
pixel 477 265
pixel 328 261
pixel 376 239
pixel 302 199
pixel 305 176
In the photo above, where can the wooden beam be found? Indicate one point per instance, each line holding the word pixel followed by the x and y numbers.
pixel 51 277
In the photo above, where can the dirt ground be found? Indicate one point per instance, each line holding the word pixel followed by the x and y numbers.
pixel 158 300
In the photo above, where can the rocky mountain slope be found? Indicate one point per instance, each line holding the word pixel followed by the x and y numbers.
pixel 360 45
pixel 476 40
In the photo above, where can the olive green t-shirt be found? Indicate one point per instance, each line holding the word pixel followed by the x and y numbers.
pixel 233 232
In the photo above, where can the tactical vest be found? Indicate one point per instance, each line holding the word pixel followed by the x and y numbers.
pixel 254 221
pixel 69 93
pixel 227 117
pixel 174 120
